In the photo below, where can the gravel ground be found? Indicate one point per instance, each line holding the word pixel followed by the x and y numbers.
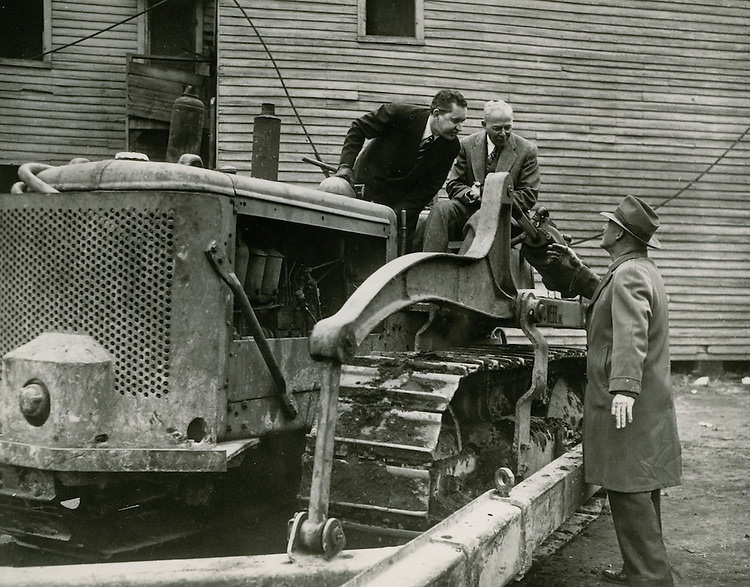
pixel 706 520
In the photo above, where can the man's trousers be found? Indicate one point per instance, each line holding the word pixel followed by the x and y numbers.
pixel 637 520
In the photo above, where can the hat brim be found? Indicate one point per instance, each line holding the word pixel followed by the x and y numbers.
pixel 653 242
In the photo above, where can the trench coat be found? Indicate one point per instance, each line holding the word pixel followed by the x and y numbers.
pixel 628 350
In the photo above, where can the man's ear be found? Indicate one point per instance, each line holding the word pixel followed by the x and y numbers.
pixel 484 123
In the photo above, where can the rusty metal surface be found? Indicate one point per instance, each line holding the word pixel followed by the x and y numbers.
pixel 76 374
pixel 491 540
pixel 188 456
pixel 262 416
pixel 128 269
pixel 255 196
pixel 397 439
pixel 273 570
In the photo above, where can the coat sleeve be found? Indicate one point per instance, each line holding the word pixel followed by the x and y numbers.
pixel 459 180
pixel 526 188
pixel 583 283
pixel 371 125
pixel 632 301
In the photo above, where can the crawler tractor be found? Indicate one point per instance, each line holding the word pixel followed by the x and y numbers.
pixel 155 321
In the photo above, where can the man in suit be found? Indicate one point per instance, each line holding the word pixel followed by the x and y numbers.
pixel 410 154
pixel 630 441
pixel 496 148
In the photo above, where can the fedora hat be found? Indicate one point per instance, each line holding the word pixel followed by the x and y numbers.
pixel 638 218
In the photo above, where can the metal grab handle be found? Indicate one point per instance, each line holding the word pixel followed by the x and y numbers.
pixel 218 257
pixel 27 174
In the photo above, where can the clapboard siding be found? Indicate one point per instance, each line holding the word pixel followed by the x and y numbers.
pixel 643 97
pixel 75 107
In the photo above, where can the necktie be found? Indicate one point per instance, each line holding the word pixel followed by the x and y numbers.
pixel 424 146
pixel 491 159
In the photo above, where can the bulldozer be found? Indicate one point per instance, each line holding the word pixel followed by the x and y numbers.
pixel 404 438
pixel 170 333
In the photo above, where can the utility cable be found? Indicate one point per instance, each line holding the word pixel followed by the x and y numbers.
pixel 109 28
pixel 681 190
pixel 281 79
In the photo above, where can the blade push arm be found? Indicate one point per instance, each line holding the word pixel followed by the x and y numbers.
pixel 479 282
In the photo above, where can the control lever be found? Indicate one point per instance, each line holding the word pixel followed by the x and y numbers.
pixel 217 255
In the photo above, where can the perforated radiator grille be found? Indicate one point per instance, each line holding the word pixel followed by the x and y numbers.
pixel 102 272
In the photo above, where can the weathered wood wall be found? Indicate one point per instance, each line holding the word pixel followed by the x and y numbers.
pixel 74 105
pixel 648 97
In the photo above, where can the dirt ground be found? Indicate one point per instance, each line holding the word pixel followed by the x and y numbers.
pixel 706 520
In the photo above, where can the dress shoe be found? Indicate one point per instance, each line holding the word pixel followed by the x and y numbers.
pixel 612 576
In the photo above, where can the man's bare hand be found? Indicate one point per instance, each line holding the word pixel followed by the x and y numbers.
pixel 475 192
pixel 564 255
pixel 622 410
pixel 346 172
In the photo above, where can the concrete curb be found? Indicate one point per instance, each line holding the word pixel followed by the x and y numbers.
pixel 490 541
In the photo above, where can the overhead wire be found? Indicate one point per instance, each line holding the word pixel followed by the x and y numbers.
pixel 283 84
pixel 681 190
pixel 255 30
pixel 104 30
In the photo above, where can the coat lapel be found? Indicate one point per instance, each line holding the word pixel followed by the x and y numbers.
pixel 478 156
pixel 507 155
pixel 608 276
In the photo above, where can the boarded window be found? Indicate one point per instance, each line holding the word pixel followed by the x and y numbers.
pixel 172 28
pixel 390 18
pixel 21 29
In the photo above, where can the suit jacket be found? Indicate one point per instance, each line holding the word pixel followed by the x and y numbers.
pixel 518 158
pixel 628 350
pixel 388 166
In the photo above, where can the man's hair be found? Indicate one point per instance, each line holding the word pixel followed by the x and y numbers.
pixel 444 99
pixel 498 105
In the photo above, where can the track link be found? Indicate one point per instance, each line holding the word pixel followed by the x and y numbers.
pixel 420 434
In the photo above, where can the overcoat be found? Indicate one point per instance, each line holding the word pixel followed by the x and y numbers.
pixel 390 166
pixel 628 350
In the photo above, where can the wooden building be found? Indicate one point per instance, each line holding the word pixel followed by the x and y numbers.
pixel 648 97
pixel 65 95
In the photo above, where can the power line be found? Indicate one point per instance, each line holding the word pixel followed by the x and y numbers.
pixel 281 79
pixel 683 189
pixel 92 35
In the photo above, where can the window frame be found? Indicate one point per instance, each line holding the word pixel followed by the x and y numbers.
pixel 417 39
pixel 46 61
pixel 144 30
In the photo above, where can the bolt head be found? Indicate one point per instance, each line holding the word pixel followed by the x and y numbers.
pixel 34 403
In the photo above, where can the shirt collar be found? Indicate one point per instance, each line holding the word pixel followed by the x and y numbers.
pixel 490 144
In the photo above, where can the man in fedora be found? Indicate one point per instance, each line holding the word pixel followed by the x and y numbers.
pixel 630 441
